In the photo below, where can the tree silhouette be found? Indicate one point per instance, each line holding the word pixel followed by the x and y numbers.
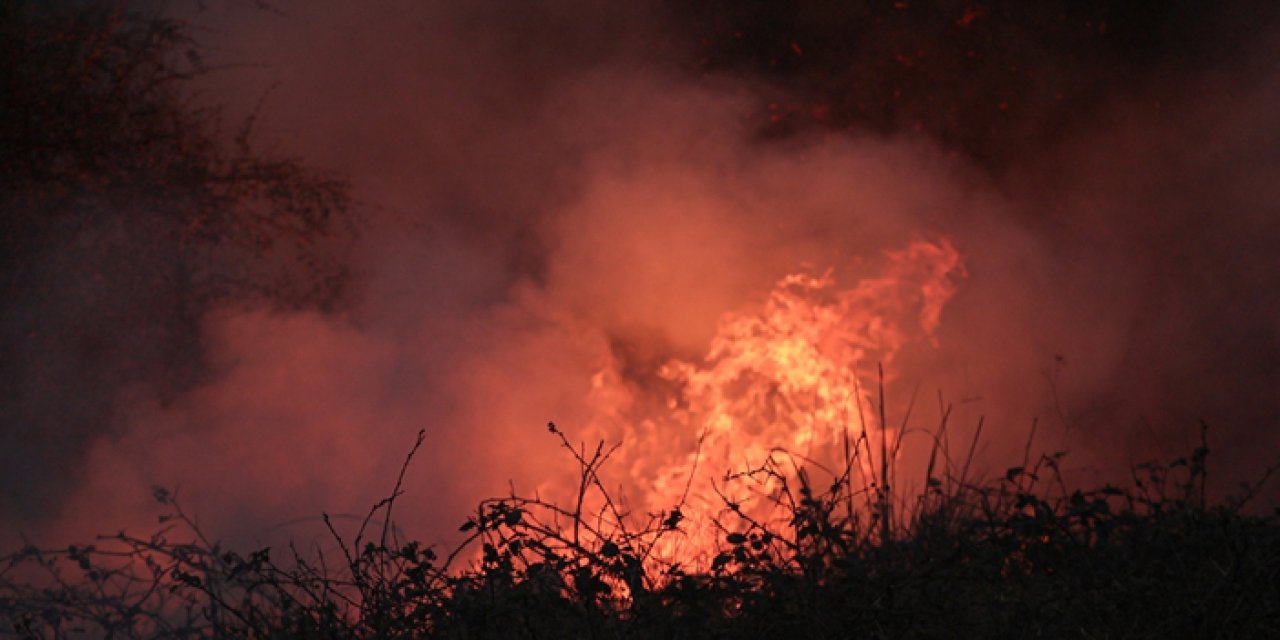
pixel 127 210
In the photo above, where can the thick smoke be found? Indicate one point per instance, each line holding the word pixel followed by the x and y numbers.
pixel 554 188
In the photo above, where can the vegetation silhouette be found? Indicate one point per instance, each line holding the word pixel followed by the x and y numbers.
pixel 1019 555
pixel 104 157
pixel 128 210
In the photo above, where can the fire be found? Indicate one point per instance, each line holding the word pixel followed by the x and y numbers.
pixel 785 386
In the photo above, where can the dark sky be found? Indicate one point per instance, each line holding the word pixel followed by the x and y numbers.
pixel 564 189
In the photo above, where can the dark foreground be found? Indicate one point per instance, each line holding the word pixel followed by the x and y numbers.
pixel 1021 556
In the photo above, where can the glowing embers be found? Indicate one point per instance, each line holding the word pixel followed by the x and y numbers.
pixel 783 388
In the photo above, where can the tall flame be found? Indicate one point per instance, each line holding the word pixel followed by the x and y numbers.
pixel 787 381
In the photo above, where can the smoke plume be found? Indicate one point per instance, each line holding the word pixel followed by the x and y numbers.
pixel 557 188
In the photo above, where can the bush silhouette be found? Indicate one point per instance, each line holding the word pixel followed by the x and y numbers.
pixel 1021 555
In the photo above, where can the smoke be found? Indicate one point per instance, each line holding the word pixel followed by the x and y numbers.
pixel 1170 213
pixel 554 190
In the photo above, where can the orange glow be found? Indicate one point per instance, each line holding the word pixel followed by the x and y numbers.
pixel 786 386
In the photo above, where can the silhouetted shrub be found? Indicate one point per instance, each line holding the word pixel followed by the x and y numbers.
pixel 1019 556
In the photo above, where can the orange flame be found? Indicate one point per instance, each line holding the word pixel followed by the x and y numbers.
pixel 786 382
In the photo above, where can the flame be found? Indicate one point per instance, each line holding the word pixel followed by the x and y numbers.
pixel 784 386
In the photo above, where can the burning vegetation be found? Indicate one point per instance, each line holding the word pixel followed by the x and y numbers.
pixel 1015 556
pixel 781 399
pixel 732 458
pixel 763 499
